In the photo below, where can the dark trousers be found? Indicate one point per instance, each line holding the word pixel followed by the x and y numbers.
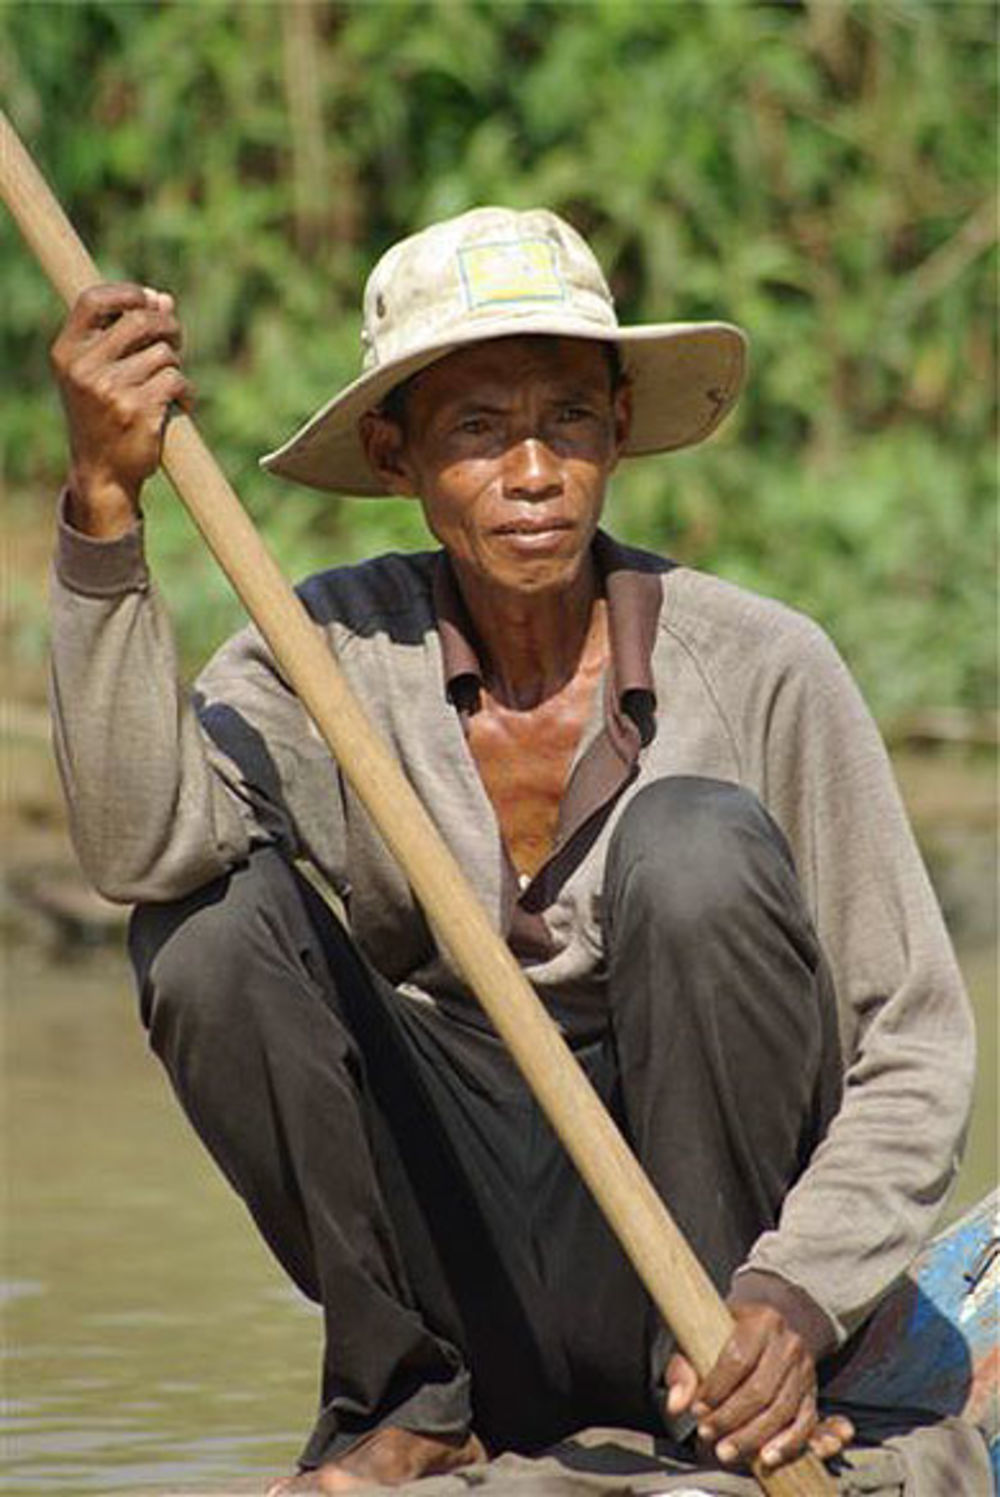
pixel 399 1170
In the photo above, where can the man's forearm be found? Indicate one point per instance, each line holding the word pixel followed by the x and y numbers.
pixel 147 820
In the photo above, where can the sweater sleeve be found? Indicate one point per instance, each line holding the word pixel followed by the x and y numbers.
pixel 868 1198
pixel 156 806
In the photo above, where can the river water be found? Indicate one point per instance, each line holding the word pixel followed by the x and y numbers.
pixel 150 1344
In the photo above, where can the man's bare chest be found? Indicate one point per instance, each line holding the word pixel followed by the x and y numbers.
pixel 524 758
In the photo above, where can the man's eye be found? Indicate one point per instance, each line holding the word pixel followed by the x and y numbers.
pixel 473 426
pixel 574 413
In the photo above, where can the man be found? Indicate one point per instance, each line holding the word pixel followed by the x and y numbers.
pixel 666 792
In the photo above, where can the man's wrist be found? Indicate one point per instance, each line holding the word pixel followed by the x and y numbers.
pixel 800 1310
pixel 99 507
pixel 99 566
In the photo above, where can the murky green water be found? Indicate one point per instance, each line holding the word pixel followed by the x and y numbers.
pixel 150 1344
pixel 149 1341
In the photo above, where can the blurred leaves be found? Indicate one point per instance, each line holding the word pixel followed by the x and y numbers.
pixel 822 173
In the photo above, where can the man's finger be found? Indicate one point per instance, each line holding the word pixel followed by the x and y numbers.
pixel 162 300
pixel 96 306
pixel 745 1425
pixel 89 357
pixel 773 1376
pixel 180 397
pixel 133 329
pixel 775 1447
pixel 831 1436
pixel 791 1441
pixel 116 315
pixel 739 1357
pixel 167 389
pixel 140 367
pixel 682 1384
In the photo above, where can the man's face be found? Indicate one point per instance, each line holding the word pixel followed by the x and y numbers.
pixel 509 445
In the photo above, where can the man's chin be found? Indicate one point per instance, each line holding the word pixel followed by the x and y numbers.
pixel 535 570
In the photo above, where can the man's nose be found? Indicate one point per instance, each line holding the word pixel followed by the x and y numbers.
pixel 531 470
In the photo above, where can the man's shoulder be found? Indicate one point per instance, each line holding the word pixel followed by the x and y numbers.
pixel 708 611
pixel 704 600
pixel 381 593
pixel 750 652
pixel 720 622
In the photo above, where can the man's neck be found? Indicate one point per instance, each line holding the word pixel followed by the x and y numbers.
pixel 531 647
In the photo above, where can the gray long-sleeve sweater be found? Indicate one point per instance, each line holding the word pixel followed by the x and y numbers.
pixel 167 791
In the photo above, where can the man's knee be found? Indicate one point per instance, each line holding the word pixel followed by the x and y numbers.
pixel 690 849
pixel 717 979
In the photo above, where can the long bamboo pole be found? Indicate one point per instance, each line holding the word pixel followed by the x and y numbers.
pixel 678 1285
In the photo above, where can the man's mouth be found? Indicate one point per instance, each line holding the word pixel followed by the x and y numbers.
pixel 539 526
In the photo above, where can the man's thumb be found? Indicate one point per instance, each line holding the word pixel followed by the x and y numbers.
pixel 682 1384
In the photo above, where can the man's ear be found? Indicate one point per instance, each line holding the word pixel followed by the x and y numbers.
pixel 385 448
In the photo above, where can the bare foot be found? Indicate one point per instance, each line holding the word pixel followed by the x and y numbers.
pixel 387 1457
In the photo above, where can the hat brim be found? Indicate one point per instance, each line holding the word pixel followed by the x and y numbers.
pixel 685 377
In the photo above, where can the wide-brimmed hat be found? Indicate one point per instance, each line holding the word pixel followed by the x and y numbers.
pixel 497 273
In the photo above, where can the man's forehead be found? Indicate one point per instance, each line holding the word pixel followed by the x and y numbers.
pixel 506 362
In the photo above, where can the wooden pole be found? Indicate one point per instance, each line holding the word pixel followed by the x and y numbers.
pixel 678 1285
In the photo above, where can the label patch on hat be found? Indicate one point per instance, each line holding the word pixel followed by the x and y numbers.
pixel 510 271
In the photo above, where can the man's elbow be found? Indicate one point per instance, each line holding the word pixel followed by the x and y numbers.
pixel 129 876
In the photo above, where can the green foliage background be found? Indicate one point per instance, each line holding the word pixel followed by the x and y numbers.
pixel 822 173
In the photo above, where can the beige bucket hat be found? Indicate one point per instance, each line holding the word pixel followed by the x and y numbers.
pixel 498 273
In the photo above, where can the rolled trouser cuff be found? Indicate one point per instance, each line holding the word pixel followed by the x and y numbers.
pixel 443 1408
